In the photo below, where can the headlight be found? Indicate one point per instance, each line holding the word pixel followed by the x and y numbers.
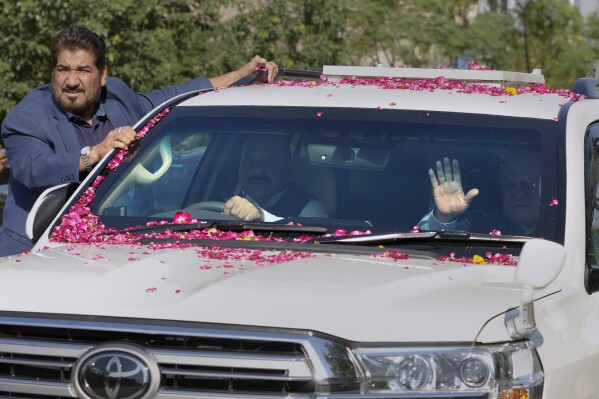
pixel 507 371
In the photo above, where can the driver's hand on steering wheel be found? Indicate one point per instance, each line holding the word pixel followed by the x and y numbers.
pixel 243 209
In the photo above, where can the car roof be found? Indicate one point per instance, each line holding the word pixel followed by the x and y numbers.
pixel 364 95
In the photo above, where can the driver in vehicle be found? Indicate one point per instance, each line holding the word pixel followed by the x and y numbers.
pixel 520 194
pixel 264 192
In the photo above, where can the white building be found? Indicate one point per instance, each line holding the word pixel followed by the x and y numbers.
pixel 587 7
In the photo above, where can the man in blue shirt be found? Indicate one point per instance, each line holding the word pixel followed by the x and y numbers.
pixel 64 128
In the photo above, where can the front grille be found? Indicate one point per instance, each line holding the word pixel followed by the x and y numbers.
pixel 36 360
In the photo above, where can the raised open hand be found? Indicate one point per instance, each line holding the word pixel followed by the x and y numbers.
pixel 450 200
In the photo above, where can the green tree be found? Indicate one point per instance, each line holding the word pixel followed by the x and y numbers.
pixel 552 38
pixel 296 33
pixel 410 32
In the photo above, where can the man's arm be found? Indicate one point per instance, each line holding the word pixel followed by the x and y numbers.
pixel 254 65
pixel 148 101
pixel 34 161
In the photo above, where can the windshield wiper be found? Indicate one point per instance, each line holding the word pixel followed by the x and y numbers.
pixel 270 227
pixel 160 228
pixel 423 236
pixel 228 226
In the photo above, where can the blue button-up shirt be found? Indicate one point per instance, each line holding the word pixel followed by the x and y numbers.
pixel 90 135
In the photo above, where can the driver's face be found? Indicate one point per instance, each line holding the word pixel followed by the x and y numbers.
pixel 263 170
pixel 520 191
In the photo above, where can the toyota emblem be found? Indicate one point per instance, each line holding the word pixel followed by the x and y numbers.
pixel 116 371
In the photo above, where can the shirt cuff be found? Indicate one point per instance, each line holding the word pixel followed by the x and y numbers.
pixel 435 224
pixel 269 217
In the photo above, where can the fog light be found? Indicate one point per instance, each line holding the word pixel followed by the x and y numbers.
pixel 514 393
pixel 474 372
pixel 410 373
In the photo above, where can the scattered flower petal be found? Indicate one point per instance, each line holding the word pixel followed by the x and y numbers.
pixel 182 217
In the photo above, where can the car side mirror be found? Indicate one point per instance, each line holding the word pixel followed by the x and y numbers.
pixel 540 263
pixel 46 208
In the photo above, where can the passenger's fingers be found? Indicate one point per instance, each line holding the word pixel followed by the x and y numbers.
pixel 447 169
pixel 440 174
pixel 456 171
pixel 470 196
pixel 431 175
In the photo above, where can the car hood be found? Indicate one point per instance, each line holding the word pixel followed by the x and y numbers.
pixel 360 298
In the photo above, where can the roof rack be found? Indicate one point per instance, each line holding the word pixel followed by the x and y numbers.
pixel 475 76
pixel 283 73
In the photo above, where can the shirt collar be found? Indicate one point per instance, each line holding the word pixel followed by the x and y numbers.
pixel 100 112
pixel 272 201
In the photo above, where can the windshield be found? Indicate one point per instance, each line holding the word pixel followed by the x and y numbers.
pixel 354 169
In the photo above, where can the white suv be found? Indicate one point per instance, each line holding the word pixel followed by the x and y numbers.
pixel 352 280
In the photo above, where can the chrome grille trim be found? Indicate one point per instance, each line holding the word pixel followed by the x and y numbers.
pixel 36 363
pixel 295 366
pixel 42 348
pixel 170 394
pixel 263 377
pixel 35 387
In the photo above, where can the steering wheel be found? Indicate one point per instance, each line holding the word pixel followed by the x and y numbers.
pixel 143 176
pixel 214 206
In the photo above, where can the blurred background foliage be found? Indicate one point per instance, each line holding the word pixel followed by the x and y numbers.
pixel 154 44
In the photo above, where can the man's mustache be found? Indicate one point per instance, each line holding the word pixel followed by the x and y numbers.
pixel 260 179
pixel 72 90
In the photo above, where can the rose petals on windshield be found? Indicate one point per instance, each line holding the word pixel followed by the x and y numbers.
pixel 182 217
pixel 497 259
pixel 153 289
pixel 554 202
pixel 395 255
